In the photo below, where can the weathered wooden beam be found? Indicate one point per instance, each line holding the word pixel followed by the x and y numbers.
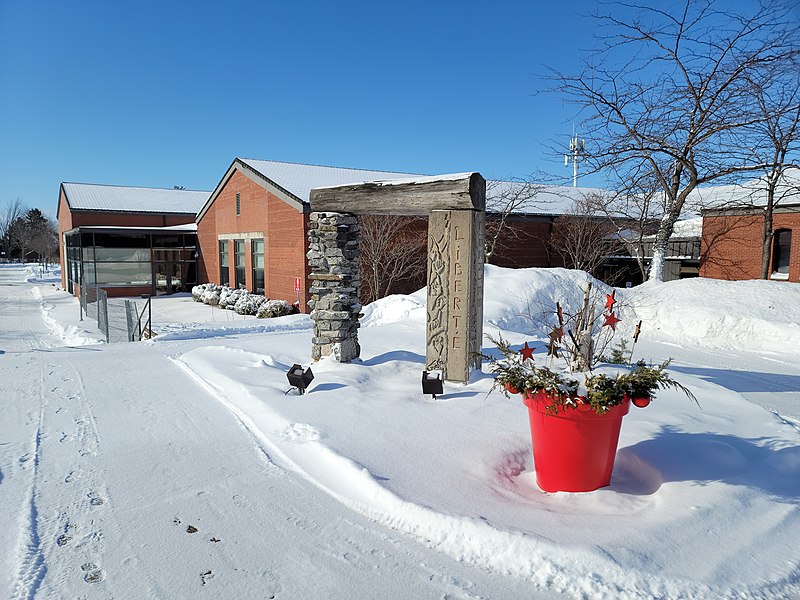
pixel 411 196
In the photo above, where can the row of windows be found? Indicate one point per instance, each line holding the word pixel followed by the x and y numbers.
pixel 257 262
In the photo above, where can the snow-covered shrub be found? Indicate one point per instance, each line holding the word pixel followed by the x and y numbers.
pixel 197 292
pixel 211 296
pixel 248 304
pixel 274 308
pixel 230 297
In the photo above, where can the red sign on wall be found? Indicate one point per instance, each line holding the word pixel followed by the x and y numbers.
pixel 296 284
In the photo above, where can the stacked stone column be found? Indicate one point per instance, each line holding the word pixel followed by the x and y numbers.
pixel 333 240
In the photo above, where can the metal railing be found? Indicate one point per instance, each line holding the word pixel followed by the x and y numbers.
pixel 117 318
pixel 94 304
pixel 139 327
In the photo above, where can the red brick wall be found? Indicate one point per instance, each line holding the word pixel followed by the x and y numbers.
pixel 282 226
pixel 64 224
pixel 523 244
pixel 731 245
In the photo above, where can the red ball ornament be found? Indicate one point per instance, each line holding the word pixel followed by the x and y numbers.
pixel 641 402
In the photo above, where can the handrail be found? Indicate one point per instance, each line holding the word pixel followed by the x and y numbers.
pixel 147 329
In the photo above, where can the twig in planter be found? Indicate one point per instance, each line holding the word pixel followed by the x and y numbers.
pixel 636 333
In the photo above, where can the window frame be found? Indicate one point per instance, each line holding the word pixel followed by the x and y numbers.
pixel 781 252
pixel 224 269
pixel 253 261
pixel 239 274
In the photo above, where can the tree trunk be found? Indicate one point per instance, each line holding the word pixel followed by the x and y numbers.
pixel 766 240
pixel 657 264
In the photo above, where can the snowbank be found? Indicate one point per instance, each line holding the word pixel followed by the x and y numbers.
pixel 754 315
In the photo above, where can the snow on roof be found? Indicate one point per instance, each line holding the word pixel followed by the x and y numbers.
pixel 536 199
pixel 89 196
pixel 688 228
pixel 299 179
pixel 750 193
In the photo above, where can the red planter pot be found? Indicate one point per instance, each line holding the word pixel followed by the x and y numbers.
pixel 574 450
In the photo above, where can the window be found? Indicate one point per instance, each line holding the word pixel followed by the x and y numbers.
pixel 257 248
pixel 781 249
pixel 224 273
pixel 238 262
pixel 238 204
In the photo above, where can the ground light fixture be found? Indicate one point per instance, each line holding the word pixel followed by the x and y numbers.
pixel 432 383
pixel 299 378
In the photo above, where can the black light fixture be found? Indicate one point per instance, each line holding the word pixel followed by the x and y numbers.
pixel 299 378
pixel 432 383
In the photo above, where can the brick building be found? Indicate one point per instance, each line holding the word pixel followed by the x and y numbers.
pixel 251 231
pixel 128 240
pixel 731 243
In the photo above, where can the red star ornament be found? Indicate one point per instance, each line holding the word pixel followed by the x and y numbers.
pixel 611 321
pixel 556 334
pixel 527 352
pixel 610 301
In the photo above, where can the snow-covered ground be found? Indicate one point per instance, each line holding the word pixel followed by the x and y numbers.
pixel 180 468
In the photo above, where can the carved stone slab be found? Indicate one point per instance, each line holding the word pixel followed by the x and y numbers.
pixel 455 292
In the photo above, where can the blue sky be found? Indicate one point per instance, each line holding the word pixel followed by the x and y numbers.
pixel 168 93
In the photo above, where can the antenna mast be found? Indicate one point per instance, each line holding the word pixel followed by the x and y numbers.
pixel 577 149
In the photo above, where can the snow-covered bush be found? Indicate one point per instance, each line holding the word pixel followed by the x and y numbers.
pixel 274 308
pixel 248 304
pixel 211 296
pixel 199 290
pixel 239 300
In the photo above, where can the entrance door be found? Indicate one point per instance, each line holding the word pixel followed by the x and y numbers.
pixel 167 277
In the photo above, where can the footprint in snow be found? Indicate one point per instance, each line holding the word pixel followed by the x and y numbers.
pixel 96 500
pixel 300 433
pixel 93 573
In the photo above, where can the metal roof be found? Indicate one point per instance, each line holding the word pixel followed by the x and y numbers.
pixel 299 179
pixel 112 198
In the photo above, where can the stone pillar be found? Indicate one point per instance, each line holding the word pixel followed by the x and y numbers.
pixel 333 240
pixel 455 292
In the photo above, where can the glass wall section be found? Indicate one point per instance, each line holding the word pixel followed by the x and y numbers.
pixel 238 262
pixel 72 242
pixel 174 262
pixel 134 260
pixel 224 271
pixel 119 260
pixel 257 248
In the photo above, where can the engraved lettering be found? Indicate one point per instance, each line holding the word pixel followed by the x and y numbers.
pixel 456 303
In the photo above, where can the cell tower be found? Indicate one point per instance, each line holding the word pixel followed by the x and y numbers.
pixel 577 149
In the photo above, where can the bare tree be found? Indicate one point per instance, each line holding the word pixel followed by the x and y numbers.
pixel 667 95
pixel 778 101
pixel 393 251
pixel 12 211
pixel 503 199
pixel 583 238
pixel 633 213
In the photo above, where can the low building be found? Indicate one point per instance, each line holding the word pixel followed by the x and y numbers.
pixel 128 240
pixel 252 231
pixel 732 243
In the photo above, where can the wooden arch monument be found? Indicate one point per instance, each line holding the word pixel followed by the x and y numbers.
pixel 455 206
